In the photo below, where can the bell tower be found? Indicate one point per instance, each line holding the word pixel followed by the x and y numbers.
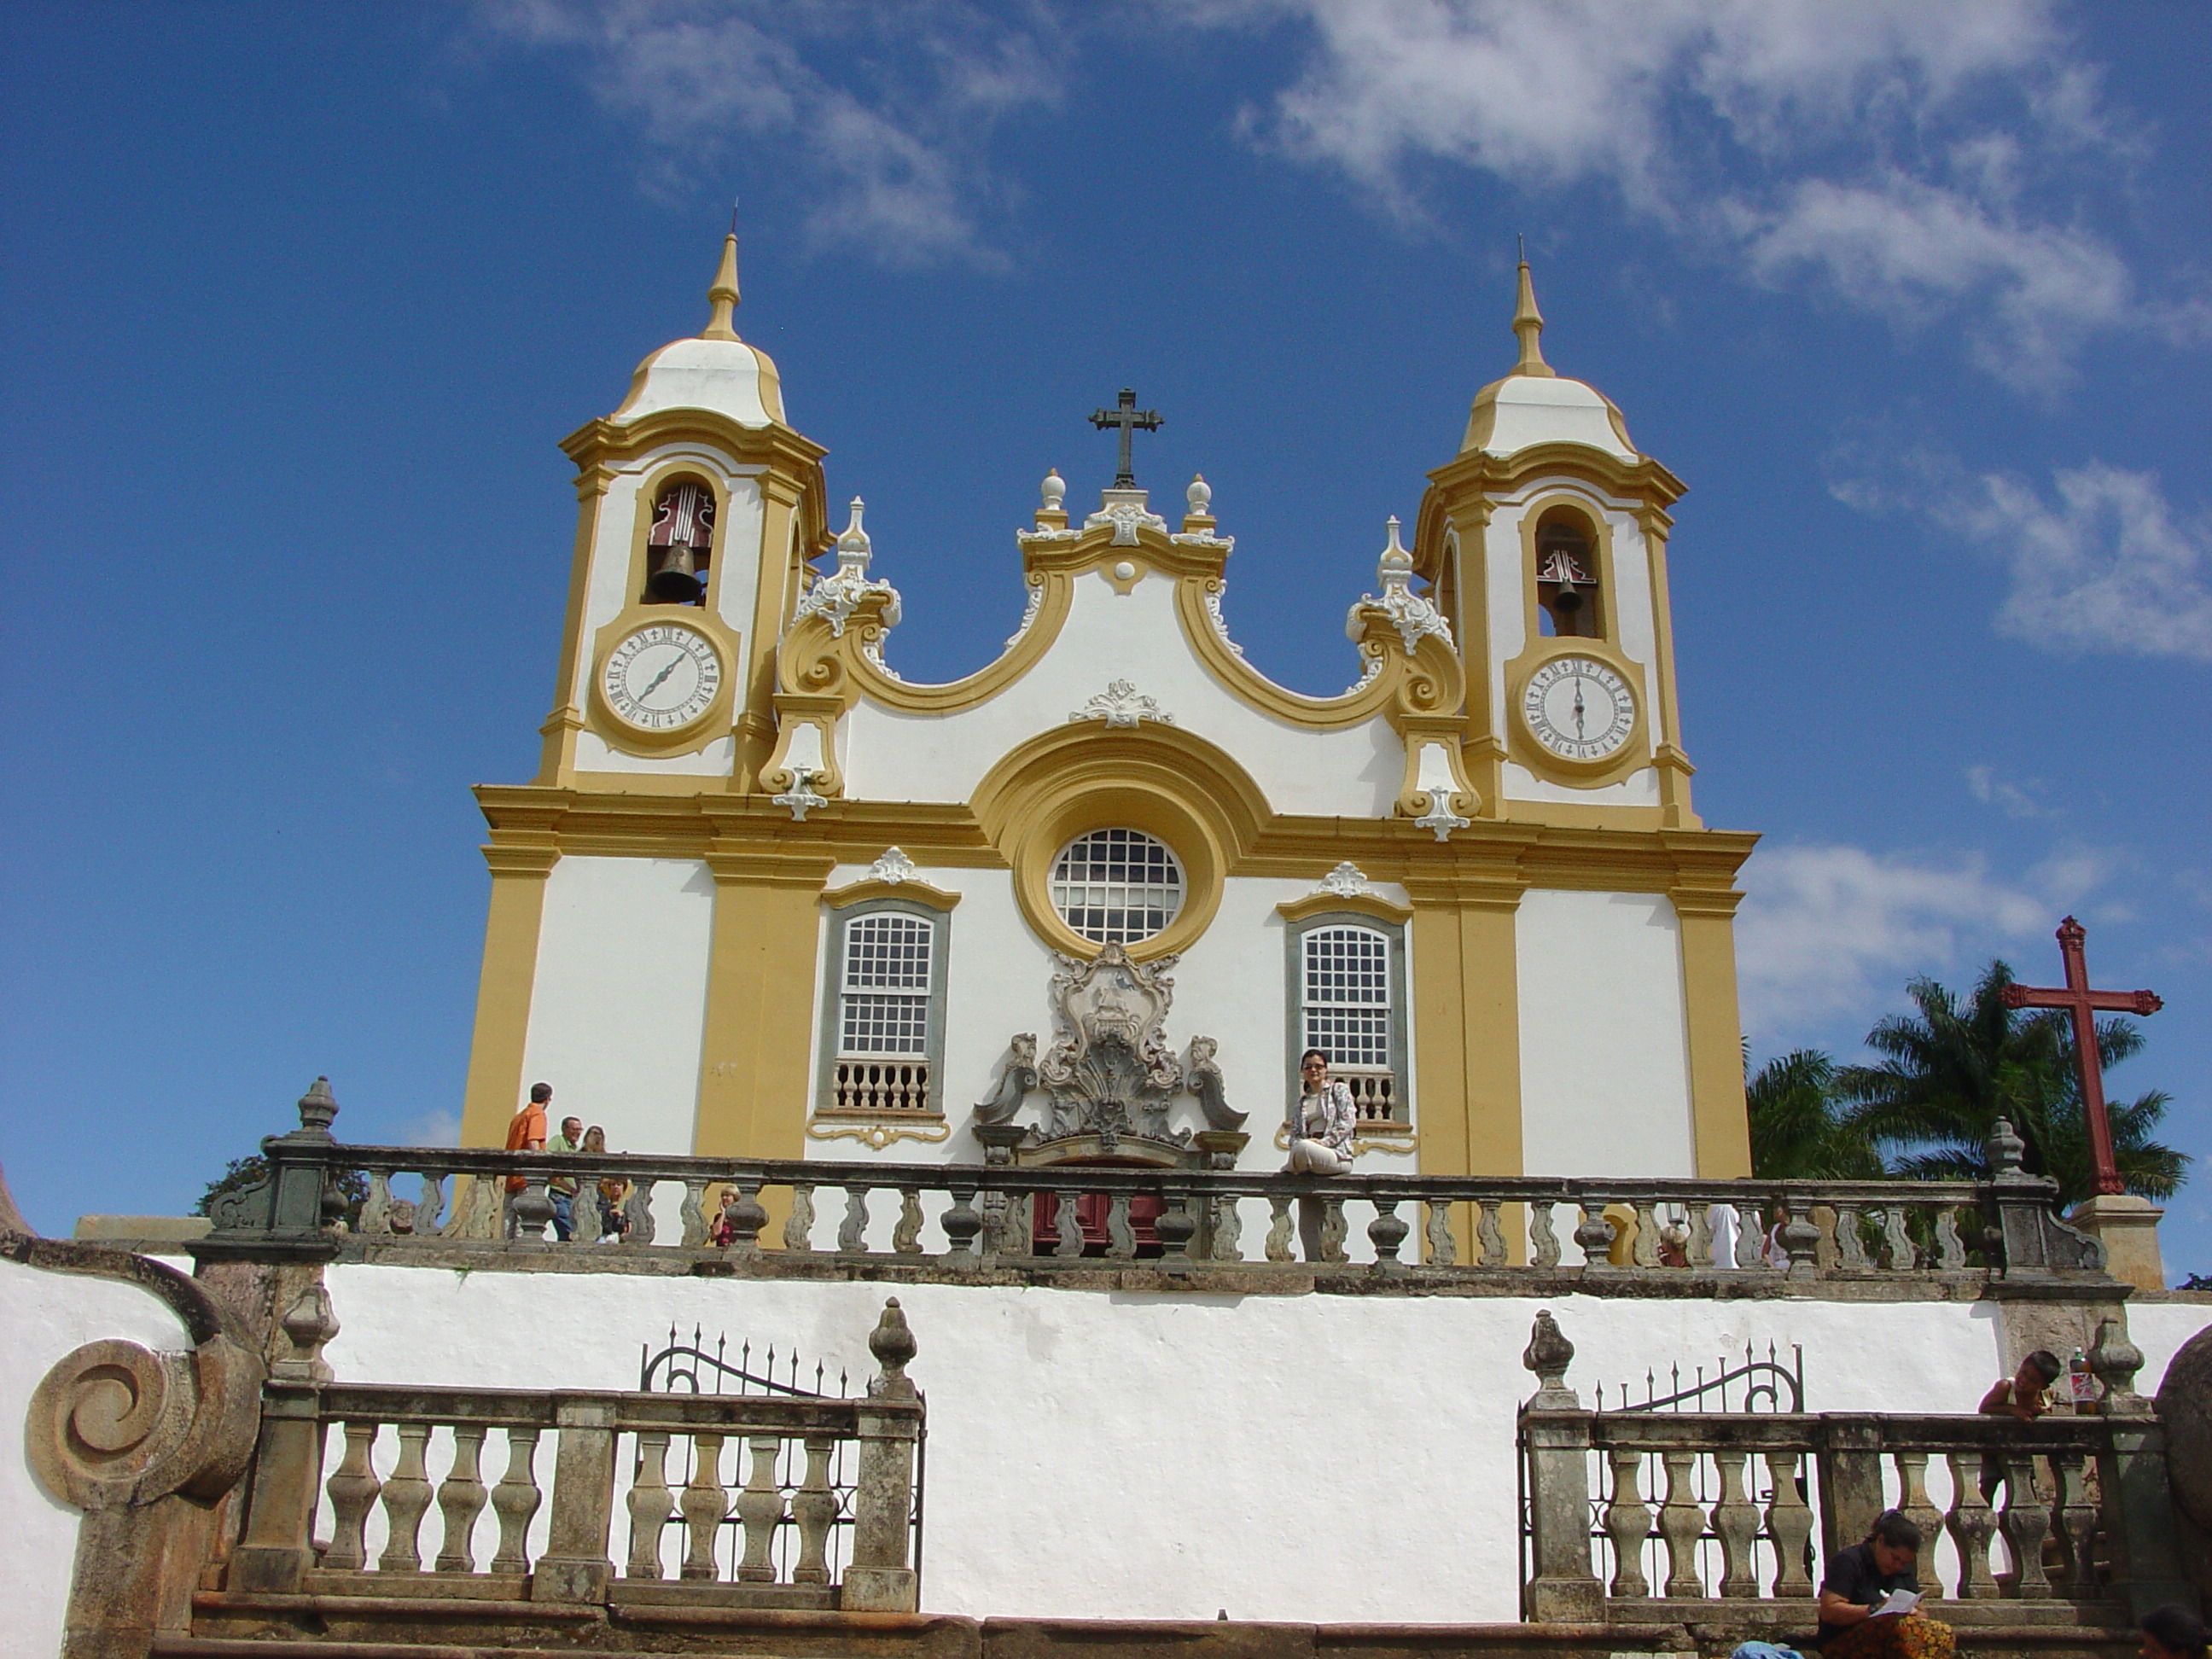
pixel 1545 541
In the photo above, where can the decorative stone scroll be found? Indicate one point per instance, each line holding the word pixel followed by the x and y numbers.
pixel 1413 616
pixel 838 595
pixel 1121 704
pixel 1109 1071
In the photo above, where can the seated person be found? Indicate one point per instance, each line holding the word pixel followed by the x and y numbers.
pixel 2025 1394
pixel 2173 1632
pixel 1858 1580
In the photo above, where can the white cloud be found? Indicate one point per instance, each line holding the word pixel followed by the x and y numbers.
pixel 431 1129
pixel 893 139
pixel 2014 800
pixel 1830 931
pixel 1877 149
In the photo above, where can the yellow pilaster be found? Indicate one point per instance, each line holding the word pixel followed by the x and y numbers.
pixel 519 865
pixel 1706 904
pixel 773 601
pixel 761 979
pixel 557 762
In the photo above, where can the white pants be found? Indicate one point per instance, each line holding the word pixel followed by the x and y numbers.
pixel 1316 1157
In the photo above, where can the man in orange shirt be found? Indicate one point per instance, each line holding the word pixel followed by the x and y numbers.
pixel 525 1133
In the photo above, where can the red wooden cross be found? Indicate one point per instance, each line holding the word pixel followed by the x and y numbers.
pixel 2082 1003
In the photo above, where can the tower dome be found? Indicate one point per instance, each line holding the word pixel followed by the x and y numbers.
pixel 1535 404
pixel 712 370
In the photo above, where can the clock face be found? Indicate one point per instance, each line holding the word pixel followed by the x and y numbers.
pixel 661 678
pixel 1578 709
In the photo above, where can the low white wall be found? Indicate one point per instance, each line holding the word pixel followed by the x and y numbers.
pixel 45 1316
pixel 1141 1456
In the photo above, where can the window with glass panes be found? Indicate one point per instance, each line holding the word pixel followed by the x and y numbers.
pixel 1116 886
pixel 1346 995
pixel 884 1000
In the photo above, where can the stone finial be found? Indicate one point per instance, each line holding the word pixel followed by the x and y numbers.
pixel 1548 1355
pixel 1528 329
pixel 1395 568
pixel 308 1324
pixel 318 1107
pixel 2006 1151
pixel 1197 504
pixel 854 547
pixel 722 296
pixel 1053 493
pixel 893 1344
pixel 2116 1360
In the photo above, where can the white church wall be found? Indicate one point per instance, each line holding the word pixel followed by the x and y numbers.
pixel 47 1315
pixel 1165 1456
pixel 618 1007
pixel 1605 1073
pixel 1136 636
pixel 1639 788
pixel 2160 1329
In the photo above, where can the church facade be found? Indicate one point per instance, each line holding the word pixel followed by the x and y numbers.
pixel 766 898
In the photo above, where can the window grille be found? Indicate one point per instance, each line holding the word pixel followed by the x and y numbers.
pixel 884 1005
pixel 1116 886
pixel 1347 997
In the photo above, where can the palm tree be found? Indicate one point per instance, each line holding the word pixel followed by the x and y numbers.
pixel 1799 1129
pixel 1949 1071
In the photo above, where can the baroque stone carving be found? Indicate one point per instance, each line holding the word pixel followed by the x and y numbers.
pixel 1413 616
pixel 1029 613
pixel 801 798
pixel 1348 880
pixel 839 594
pixel 1121 704
pixel 894 867
pixel 1126 511
pixel 1016 1079
pixel 1216 590
pixel 1110 1072
pixel 115 1425
pixel 1206 1082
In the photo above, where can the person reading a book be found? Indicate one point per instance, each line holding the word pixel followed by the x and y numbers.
pixel 1870 1596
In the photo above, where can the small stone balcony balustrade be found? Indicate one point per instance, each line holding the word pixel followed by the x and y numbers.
pixel 1915 1239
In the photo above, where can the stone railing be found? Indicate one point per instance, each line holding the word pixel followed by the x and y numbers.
pixel 1702 1516
pixel 731 1500
pixel 967 1217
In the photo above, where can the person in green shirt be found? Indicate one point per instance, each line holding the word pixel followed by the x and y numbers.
pixel 562 1189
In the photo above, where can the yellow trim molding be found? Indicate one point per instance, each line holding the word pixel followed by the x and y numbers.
pixel 876 887
pixel 877 1132
pixel 1360 905
pixel 713 722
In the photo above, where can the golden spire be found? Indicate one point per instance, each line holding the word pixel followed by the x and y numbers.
pixel 723 296
pixel 1528 325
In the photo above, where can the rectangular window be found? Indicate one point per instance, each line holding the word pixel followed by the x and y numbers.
pixel 884 1007
pixel 1345 1010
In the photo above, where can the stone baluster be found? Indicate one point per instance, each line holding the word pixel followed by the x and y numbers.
pixel 880 1577
pixel 1914 1504
pixel 277 1549
pixel 1699 1251
pixel 747 1217
pixel 1850 1244
pixel 906 1235
pixel 1790 1524
pixel 1443 1249
pixel 798 1225
pixel 406 1499
pixel 1750 1237
pixel 760 1511
pixel 1333 1231
pixel 1898 1254
pixel 1593 1233
pixel 2074 1520
pixel 1950 1248
pixel 1735 1523
pixel 704 1503
pixel 462 1496
pixel 1543 1241
pixel 575 1566
pixel 353 1488
pixel 853 1232
pixel 961 1221
pixel 1227 1229
pixel 531 1207
pixel 694 1215
pixel 1067 1224
pixel 1387 1231
pixel 1970 1525
pixel 637 1209
pixel 1176 1226
pixel 652 1506
pixel 1681 1520
pixel 1489 1233
pixel 1563 1589
pixel 376 1210
pixel 814 1507
pixel 1279 1228
pixel 514 1500
pixel 1628 1522
pixel 1644 1251
pixel 1121 1235
pixel 1802 1241
pixel 430 1204
pixel 2026 1523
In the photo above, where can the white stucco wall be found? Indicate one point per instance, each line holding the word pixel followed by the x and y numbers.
pixel 618 1007
pixel 1605 1070
pixel 1138 1456
pixel 1136 636
pixel 45 1316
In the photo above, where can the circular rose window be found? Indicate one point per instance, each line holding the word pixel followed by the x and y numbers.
pixel 1116 886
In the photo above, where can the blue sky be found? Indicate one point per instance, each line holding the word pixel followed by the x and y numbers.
pixel 298 299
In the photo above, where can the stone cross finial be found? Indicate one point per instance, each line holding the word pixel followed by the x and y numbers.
pixel 318 1107
pixel 1548 1354
pixel 893 1344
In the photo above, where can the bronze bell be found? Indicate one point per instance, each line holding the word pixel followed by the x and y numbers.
pixel 675 582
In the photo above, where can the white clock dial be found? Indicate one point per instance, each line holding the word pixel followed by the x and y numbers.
pixel 661 678
pixel 1578 709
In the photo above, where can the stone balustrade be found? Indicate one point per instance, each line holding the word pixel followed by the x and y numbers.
pixel 1699 1516
pixel 583 1496
pixel 970 1217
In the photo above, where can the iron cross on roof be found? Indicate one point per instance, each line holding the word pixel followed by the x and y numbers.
pixel 1125 415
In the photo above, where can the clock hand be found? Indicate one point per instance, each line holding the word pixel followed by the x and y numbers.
pixel 654 684
pixel 1578 706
